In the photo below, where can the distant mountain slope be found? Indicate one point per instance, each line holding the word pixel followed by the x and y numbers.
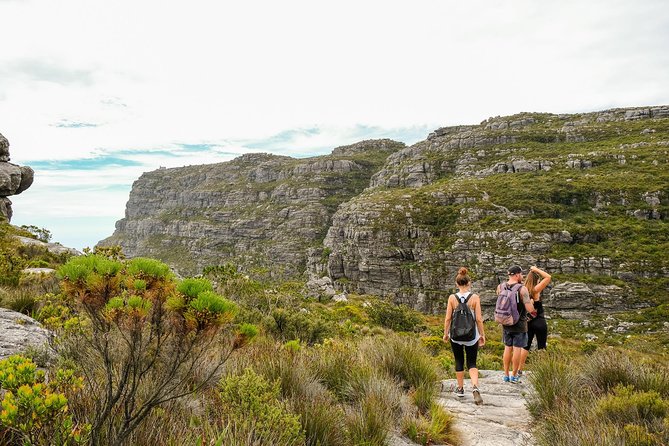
pixel 259 210
pixel 585 196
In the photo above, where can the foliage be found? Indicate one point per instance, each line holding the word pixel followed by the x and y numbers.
pixel 252 404
pixel 437 427
pixel 41 234
pixel 34 411
pixel 395 317
pixel 599 399
pixel 136 351
pixel 287 325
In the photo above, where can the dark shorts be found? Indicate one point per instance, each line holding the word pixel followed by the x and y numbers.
pixel 514 339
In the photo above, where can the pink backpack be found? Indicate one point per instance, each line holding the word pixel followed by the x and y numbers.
pixel 506 308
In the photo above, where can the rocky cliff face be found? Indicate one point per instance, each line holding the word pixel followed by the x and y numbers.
pixel 259 210
pixel 583 196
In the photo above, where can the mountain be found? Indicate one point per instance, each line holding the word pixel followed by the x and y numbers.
pixel 584 196
pixel 258 210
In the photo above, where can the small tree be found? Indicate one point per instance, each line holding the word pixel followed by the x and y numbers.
pixel 42 234
pixel 146 339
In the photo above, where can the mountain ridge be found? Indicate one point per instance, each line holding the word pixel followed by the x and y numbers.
pixel 564 191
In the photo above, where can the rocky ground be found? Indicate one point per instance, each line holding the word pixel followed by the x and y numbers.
pixel 503 418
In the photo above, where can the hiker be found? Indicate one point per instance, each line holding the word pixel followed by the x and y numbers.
pixel 536 326
pixel 463 326
pixel 514 333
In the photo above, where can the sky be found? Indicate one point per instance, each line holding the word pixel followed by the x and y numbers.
pixel 94 93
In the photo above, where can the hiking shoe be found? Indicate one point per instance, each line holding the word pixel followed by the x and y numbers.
pixel 515 380
pixel 460 392
pixel 477 396
pixel 506 378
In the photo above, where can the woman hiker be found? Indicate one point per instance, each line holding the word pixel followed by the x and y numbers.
pixel 535 283
pixel 473 302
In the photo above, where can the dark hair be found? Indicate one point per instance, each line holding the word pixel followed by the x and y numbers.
pixel 462 278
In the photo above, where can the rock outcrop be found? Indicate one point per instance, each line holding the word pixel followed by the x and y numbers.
pixel 490 424
pixel 14 179
pixel 530 189
pixel 19 332
pixel 259 210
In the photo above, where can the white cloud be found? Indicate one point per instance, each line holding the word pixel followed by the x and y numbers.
pixel 84 78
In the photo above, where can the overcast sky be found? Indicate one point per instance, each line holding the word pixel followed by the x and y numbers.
pixel 93 93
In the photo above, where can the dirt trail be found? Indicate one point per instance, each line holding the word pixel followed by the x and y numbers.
pixel 502 420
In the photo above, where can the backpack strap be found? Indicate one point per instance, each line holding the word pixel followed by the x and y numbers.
pixel 514 289
pixel 466 298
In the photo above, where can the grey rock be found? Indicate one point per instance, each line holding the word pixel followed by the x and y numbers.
pixel 13 179
pixel 490 424
pixel 55 248
pixel 4 149
pixel 37 271
pixel 19 332
pixel 340 298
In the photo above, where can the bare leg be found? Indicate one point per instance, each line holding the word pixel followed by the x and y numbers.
pixel 508 354
pixel 523 358
pixel 516 359
pixel 474 376
pixel 460 376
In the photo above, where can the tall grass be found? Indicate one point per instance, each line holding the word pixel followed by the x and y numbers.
pixel 606 398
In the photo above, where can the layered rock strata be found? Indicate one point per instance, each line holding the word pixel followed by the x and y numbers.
pixel 584 196
pixel 259 210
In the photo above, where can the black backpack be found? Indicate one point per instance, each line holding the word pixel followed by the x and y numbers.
pixel 463 325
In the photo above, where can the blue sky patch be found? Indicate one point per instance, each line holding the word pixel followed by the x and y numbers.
pixel 96 163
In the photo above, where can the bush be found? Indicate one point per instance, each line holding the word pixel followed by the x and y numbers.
pixel 251 404
pixel 35 412
pixel 627 406
pixel 287 325
pixel 395 317
pixel 144 343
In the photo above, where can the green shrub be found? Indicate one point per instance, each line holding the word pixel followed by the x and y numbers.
pixel 252 404
pixel 434 344
pixel 35 412
pixel 407 360
pixel 143 268
pixel 604 370
pixel 395 317
pixel 625 405
pixel 639 436
pixel 192 287
pixel 287 325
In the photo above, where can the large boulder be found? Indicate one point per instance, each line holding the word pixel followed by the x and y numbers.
pixel 19 332
pixel 13 179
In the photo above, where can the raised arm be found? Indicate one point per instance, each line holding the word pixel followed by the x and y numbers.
pixel 447 319
pixel 545 279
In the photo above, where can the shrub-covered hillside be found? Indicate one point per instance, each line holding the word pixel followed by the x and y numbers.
pixel 584 196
